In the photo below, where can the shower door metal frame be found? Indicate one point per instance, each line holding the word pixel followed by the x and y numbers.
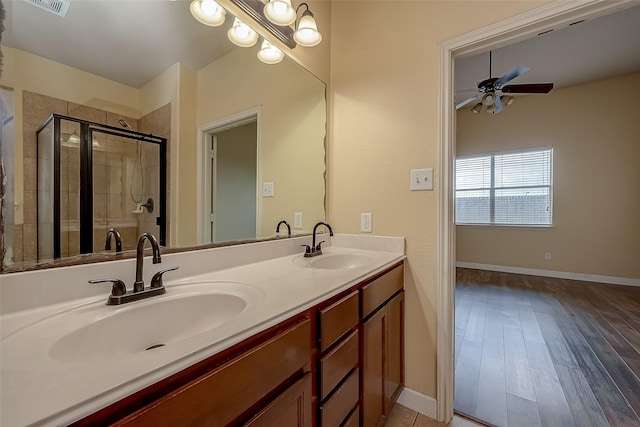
pixel 87 128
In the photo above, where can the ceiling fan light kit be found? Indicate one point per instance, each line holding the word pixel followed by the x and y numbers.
pixel 492 90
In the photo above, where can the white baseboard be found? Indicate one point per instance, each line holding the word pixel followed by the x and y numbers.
pixel 551 273
pixel 418 402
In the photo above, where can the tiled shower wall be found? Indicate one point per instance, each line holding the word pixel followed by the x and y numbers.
pixel 112 172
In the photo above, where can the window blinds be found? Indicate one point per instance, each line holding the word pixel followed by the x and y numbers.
pixel 510 188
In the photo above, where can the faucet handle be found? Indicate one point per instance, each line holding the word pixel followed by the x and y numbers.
pixel 118 288
pixel 156 280
pixel 307 249
pixel 319 245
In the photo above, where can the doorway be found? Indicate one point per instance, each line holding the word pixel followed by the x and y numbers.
pixel 231 208
pixel 510 31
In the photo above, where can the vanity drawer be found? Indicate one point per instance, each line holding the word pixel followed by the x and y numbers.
pixel 337 319
pixel 336 409
pixel 220 396
pixel 377 292
pixel 336 364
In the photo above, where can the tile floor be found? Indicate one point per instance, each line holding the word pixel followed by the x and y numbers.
pixel 403 417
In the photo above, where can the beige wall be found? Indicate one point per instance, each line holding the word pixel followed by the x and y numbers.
pixel 177 86
pixel 384 121
pixel 596 179
pixel 291 130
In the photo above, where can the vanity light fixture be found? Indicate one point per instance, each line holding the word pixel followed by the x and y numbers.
pixel 280 12
pixel 307 33
pixel 208 12
pixel 241 34
pixel 270 54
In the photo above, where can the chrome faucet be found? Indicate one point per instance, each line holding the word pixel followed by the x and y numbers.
pixel 316 249
pixel 288 227
pixel 120 295
pixel 116 237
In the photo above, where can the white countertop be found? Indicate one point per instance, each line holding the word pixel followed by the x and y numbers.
pixel 38 389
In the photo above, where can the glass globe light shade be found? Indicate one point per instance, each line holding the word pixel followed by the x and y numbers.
pixel 269 54
pixel 241 34
pixel 208 12
pixel 307 32
pixel 280 12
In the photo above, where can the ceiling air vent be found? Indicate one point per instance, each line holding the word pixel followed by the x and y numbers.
pixel 59 7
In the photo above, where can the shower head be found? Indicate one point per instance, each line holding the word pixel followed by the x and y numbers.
pixel 124 124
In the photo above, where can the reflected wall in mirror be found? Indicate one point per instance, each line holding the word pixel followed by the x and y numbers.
pixel 189 97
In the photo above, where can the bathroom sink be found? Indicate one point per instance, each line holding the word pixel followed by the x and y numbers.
pixel 97 332
pixel 336 261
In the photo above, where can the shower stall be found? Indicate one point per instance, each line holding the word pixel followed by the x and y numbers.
pixel 93 177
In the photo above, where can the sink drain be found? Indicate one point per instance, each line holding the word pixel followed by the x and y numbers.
pixel 154 346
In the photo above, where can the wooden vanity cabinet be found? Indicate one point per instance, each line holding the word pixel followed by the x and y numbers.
pixel 382 346
pixel 339 363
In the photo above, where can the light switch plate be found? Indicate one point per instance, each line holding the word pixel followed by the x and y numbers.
pixel 297 220
pixel 421 179
pixel 267 189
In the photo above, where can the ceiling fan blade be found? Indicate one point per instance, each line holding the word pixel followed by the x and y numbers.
pixel 466 102
pixel 528 88
pixel 512 74
pixel 469 89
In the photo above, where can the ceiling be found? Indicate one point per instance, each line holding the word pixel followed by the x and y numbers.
pixel 596 49
pixel 132 41
pixel 129 41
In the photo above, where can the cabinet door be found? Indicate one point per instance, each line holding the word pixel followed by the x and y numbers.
pixel 373 369
pixel 394 351
pixel 382 361
pixel 292 408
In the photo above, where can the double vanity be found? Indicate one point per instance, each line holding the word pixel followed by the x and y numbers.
pixel 256 334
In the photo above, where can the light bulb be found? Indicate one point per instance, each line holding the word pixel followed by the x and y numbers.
pixel 269 54
pixel 280 12
pixel 241 34
pixel 307 33
pixel 208 12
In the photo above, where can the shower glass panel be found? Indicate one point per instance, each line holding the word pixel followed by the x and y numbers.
pixel 46 193
pixel 126 188
pixel 93 177
pixel 69 188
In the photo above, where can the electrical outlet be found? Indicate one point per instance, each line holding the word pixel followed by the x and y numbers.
pixel 547 256
pixel 365 222
pixel 421 179
pixel 267 189
pixel 297 220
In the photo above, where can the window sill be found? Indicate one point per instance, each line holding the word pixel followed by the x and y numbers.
pixel 511 226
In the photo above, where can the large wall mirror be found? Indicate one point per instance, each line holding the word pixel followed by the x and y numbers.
pixel 245 141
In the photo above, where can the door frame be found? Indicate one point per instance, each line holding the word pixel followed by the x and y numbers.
pixel 204 182
pixel 557 14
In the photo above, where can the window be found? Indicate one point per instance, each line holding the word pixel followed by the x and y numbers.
pixel 510 188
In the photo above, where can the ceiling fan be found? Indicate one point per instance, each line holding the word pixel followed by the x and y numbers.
pixel 494 92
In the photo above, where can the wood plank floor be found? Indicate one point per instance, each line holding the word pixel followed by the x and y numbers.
pixel 538 351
